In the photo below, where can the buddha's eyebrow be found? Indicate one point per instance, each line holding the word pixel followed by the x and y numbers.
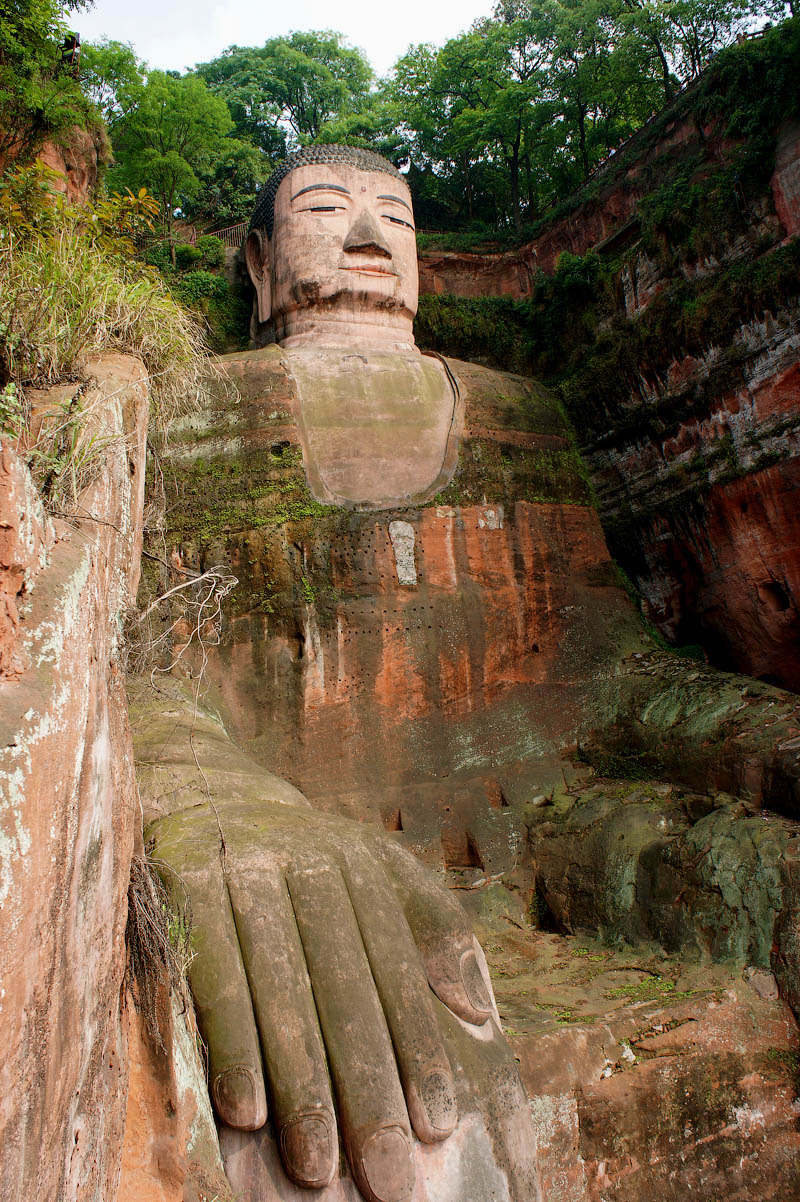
pixel 398 199
pixel 321 188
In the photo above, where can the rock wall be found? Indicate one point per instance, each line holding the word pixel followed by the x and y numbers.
pixel 705 516
pixel 681 375
pixel 429 668
pixel 77 160
pixel 601 222
pixel 68 809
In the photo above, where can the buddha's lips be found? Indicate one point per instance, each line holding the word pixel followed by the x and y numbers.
pixel 371 271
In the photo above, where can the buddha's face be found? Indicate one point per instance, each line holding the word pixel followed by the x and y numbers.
pixel 341 266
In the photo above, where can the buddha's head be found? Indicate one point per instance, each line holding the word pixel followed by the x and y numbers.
pixel 332 253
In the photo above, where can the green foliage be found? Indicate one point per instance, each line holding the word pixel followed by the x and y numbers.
pixel 532 337
pixel 602 377
pixel 207 254
pixel 230 185
pixel 39 97
pixel 496 126
pixel 170 139
pixel 493 330
pixel 195 286
pixel 212 252
pixel 509 117
pixel 12 409
pixel 622 765
pixel 225 313
pixel 69 288
pixel 302 82
pixel 112 77
pixel 651 988
pixel 186 256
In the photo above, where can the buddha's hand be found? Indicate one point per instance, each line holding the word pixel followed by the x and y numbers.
pixel 317 944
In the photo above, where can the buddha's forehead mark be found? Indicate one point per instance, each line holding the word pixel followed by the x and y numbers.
pixel 399 200
pixel 322 188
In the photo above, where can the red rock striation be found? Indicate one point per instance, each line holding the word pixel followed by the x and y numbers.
pixel 68 815
pixel 709 512
pixel 26 540
pixel 388 687
pixel 697 474
pixel 76 161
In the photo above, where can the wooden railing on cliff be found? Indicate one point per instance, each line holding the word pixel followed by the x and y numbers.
pixel 231 236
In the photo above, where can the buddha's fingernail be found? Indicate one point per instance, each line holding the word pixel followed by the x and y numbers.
pixel 388 1166
pixel 309 1150
pixel 474 984
pixel 439 1099
pixel 239 1099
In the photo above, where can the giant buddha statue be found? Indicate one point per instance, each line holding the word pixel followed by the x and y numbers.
pixel 339 989
pixel 426 626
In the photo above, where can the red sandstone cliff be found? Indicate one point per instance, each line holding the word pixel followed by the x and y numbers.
pixel 697 465
pixel 69 812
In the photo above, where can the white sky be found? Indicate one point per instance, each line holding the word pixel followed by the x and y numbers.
pixel 178 34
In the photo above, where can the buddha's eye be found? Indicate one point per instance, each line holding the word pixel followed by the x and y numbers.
pixel 398 221
pixel 326 209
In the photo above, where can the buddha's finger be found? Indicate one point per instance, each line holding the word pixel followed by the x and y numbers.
pixel 372 1111
pixel 441 932
pixel 406 999
pixel 301 1104
pixel 216 973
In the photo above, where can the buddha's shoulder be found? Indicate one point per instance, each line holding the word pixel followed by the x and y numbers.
pixel 492 400
pixel 496 401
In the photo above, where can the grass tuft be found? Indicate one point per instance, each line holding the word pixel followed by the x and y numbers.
pixel 158 938
pixel 70 287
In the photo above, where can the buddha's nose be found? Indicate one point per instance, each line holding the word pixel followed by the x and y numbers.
pixel 365 237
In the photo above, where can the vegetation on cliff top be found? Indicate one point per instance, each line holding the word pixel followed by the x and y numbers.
pixel 494 128
pixel 40 95
pixel 695 208
pixel 70 287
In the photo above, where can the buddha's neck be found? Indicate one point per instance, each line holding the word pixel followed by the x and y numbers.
pixel 327 334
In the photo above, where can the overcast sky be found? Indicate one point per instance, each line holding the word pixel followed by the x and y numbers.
pixel 179 33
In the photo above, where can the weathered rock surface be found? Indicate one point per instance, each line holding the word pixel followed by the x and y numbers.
pixel 69 817
pixel 76 161
pixel 695 457
pixel 390 663
pixel 170 1151
pixel 425 668
pixel 709 510
pixel 27 537
pixel 701 875
pixel 649 1076
pixel 609 218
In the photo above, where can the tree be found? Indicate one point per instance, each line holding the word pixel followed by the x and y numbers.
pixel 226 196
pixel 290 88
pixel 526 103
pixel 112 77
pixel 38 98
pixel 171 139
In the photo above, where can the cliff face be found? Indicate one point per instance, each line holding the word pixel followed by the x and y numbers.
pixel 68 811
pixel 681 372
pixel 77 162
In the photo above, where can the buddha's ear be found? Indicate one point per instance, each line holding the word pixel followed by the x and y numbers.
pixel 258 266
